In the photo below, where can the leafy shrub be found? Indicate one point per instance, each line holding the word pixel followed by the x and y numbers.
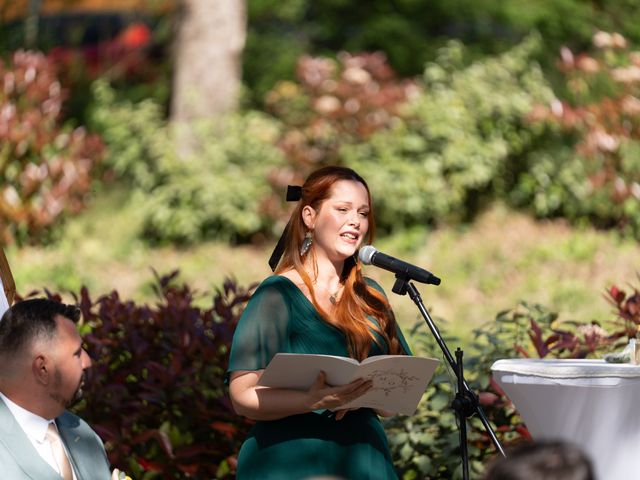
pixel 45 168
pixel 628 310
pixel 156 392
pixel 598 178
pixel 410 32
pixel 220 191
pixel 336 102
pixel 134 134
pixel 426 445
pixel 156 395
pixel 464 133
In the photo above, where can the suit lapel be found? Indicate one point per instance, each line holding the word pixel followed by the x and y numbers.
pixel 71 438
pixel 86 452
pixel 17 443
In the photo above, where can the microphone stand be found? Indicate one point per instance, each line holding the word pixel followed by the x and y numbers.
pixel 465 403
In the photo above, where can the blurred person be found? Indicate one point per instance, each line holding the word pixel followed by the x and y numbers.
pixel 42 365
pixel 318 302
pixel 544 460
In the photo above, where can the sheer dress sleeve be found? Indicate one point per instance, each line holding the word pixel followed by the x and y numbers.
pixel 261 331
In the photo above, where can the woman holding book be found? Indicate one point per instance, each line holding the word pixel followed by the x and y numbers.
pixel 318 302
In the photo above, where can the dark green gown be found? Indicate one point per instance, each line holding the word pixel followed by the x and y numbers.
pixel 279 318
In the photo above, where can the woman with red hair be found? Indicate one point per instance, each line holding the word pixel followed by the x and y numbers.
pixel 317 303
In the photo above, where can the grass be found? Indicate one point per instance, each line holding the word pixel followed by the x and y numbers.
pixel 486 267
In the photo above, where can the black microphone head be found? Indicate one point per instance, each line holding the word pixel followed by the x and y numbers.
pixel 366 254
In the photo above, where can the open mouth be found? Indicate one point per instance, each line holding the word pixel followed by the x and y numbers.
pixel 350 236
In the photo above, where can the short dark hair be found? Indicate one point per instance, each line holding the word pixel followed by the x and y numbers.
pixel 29 320
pixel 543 460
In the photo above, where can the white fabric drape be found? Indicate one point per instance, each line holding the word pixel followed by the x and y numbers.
pixel 589 402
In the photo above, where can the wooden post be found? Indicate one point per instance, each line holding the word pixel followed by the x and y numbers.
pixel 7 278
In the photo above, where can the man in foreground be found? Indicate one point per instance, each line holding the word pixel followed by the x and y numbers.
pixel 42 366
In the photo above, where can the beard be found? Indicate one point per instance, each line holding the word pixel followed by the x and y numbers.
pixel 59 397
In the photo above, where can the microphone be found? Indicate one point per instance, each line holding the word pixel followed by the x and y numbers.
pixel 370 256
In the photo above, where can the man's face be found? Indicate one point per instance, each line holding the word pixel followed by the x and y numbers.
pixel 69 363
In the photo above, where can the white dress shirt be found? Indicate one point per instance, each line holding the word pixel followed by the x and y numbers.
pixel 35 427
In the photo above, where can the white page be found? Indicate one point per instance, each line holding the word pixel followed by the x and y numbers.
pixel 398 380
pixel 401 381
pixel 300 373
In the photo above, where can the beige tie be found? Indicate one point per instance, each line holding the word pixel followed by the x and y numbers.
pixel 58 452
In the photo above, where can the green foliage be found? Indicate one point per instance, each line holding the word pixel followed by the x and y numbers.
pixel 134 134
pixel 554 184
pixel 426 445
pixel 219 191
pixel 463 132
pixel 274 43
pixel 156 394
pixel 46 168
pixel 410 32
pixel 336 103
pixel 587 169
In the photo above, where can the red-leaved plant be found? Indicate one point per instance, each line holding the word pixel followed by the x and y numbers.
pixel 336 102
pixel 45 169
pixel 601 110
pixel 156 393
pixel 533 331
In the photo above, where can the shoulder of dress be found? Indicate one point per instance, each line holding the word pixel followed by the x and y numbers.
pixel 275 283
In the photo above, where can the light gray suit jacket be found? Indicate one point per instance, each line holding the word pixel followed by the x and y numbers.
pixel 19 460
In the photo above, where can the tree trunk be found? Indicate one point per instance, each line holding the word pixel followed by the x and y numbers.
pixel 31 24
pixel 208 59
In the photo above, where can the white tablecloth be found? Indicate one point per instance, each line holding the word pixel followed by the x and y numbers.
pixel 590 402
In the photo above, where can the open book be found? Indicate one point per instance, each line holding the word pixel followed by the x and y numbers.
pixel 398 380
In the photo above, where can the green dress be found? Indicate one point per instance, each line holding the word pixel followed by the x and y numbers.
pixel 279 318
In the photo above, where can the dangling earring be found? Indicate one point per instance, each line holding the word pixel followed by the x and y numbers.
pixel 306 244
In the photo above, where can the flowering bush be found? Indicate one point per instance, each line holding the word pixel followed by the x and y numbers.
pixel 459 139
pixel 599 116
pixel 336 102
pixel 45 169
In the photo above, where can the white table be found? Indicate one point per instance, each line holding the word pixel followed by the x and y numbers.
pixel 589 402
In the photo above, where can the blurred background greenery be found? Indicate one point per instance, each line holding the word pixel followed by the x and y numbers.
pixel 500 143
pixel 500 139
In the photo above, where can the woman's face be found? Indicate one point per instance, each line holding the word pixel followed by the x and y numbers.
pixel 342 221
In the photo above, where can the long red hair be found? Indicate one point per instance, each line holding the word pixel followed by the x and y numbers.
pixel 358 300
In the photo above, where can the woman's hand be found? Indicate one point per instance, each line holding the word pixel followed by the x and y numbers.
pixel 266 403
pixel 322 395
